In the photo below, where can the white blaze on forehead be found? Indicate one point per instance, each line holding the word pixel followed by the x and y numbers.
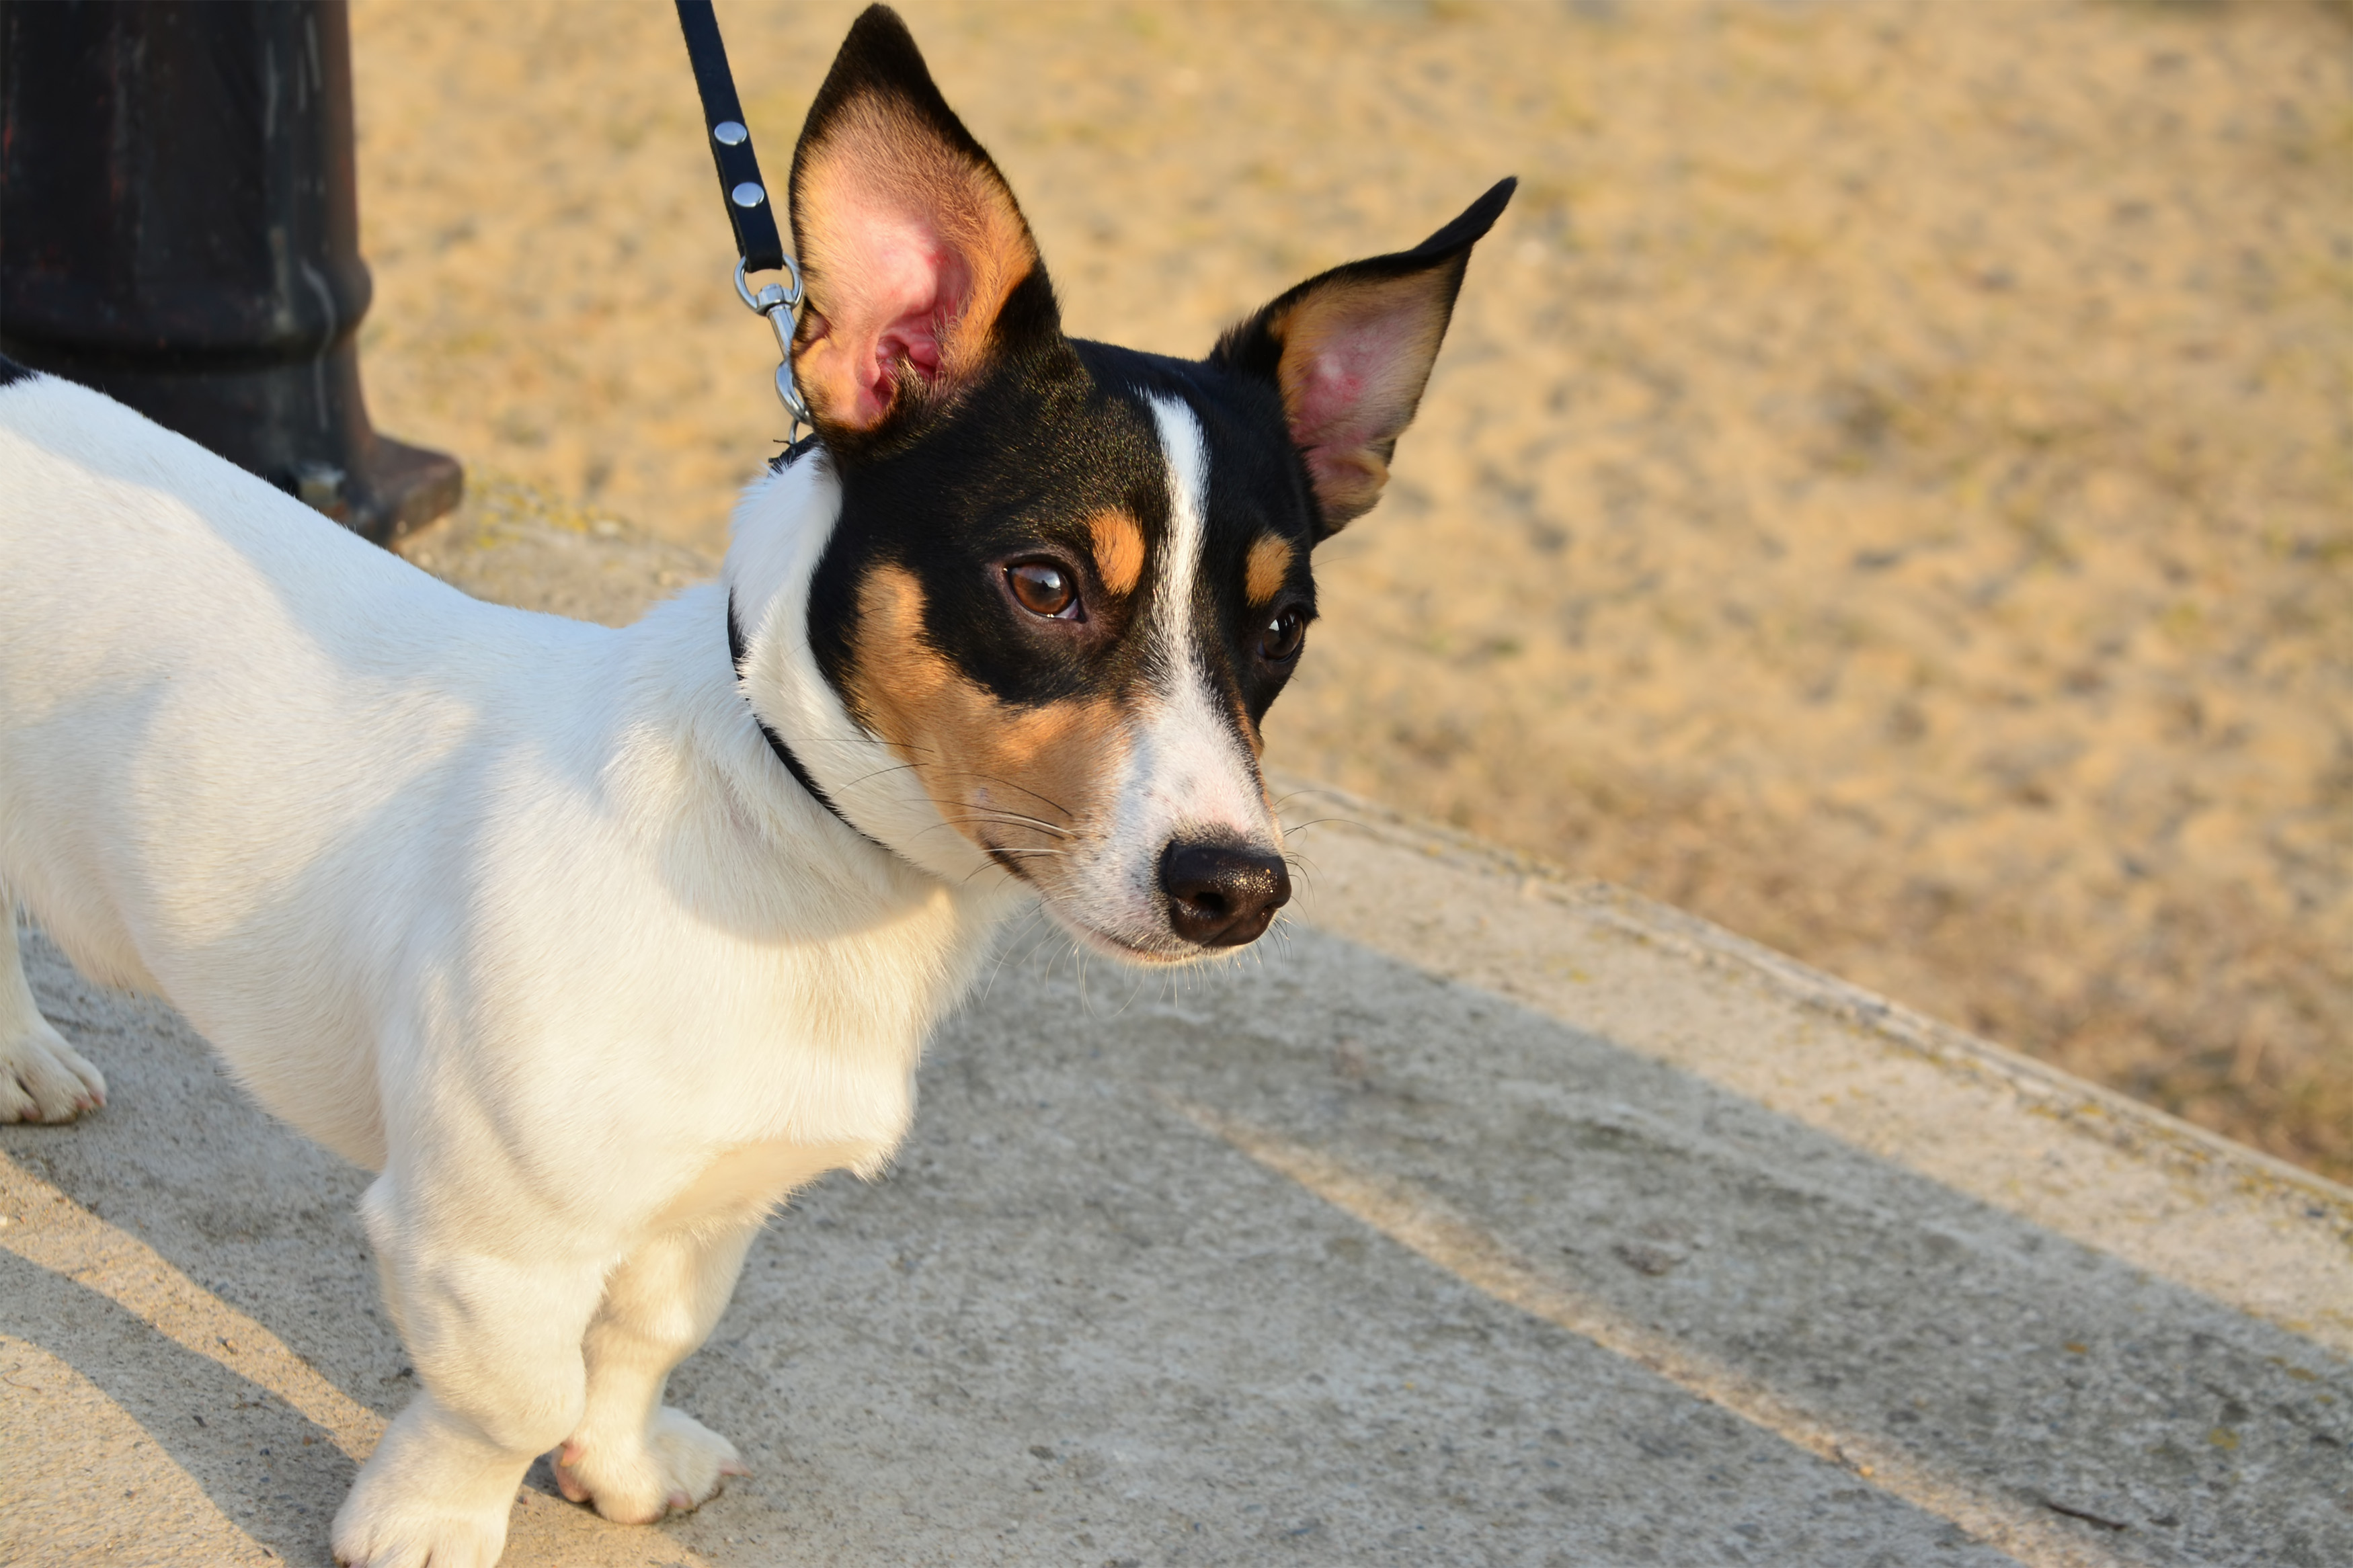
pixel 1180 560
pixel 1195 778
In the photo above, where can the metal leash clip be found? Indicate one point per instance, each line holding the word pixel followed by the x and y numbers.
pixel 780 305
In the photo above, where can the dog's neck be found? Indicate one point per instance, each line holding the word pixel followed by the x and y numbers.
pixel 692 780
pixel 782 527
pixel 739 654
pixel 855 784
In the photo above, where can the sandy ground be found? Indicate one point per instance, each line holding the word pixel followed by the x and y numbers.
pixel 1889 487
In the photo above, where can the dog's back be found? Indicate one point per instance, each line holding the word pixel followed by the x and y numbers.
pixel 210 697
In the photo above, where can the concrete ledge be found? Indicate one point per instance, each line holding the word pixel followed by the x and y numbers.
pixel 2267 1236
pixel 1480 1216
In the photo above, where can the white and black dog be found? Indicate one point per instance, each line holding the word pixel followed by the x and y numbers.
pixel 598 944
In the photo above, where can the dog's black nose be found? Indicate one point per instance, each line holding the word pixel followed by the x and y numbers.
pixel 1221 896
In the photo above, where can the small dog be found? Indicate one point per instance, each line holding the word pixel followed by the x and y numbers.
pixel 597 944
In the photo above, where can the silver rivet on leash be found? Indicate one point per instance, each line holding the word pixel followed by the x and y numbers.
pixel 748 195
pixel 730 134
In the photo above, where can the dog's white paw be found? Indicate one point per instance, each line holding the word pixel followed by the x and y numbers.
pixel 375 1528
pixel 433 1495
pixel 42 1078
pixel 417 1535
pixel 676 1462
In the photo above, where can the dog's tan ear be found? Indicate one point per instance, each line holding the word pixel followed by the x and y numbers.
pixel 1351 350
pixel 916 255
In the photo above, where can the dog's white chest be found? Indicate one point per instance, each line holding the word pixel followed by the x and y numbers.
pixel 745 1182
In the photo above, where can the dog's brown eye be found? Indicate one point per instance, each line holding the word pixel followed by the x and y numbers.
pixel 1282 637
pixel 1044 588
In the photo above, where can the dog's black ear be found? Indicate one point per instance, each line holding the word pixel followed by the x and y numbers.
pixel 917 259
pixel 1351 350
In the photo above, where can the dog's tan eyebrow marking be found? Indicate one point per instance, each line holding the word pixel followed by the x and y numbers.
pixel 1119 549
pixel 1269 566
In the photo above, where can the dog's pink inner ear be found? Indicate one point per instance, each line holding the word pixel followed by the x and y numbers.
pixel 1356 355
pixel 911 248
pixel 902 291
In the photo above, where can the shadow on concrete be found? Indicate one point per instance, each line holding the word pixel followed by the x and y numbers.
pixel 1074 1327
pixel 265 1465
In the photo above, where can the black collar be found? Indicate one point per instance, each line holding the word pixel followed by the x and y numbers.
pixel 737 653
pixel 792 453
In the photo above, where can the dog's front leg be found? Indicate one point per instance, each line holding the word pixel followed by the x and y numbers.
pixel 42 1078
pixel 494 1326
pixel 633 1456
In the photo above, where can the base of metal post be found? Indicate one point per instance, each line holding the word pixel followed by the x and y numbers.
pixel 179 228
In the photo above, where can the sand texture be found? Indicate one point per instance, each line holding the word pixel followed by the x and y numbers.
pixel 1889 487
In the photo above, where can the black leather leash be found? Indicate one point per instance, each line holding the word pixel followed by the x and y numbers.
pixel 748 207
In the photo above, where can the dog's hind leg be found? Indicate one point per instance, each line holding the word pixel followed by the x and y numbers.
pixel 633 1456
pixel 42 1078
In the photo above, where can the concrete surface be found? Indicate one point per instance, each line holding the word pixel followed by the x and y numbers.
pixel 1481 1217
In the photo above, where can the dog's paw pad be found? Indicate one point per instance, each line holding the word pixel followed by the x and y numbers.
pixel 42 1078
pixel 676 1462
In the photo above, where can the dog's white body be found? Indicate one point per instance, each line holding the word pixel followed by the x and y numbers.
pixel 522 913
pixel 303 790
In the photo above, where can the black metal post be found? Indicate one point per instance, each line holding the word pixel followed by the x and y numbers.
pixel 179 228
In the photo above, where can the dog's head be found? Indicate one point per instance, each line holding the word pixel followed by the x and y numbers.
pixel 1036 594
